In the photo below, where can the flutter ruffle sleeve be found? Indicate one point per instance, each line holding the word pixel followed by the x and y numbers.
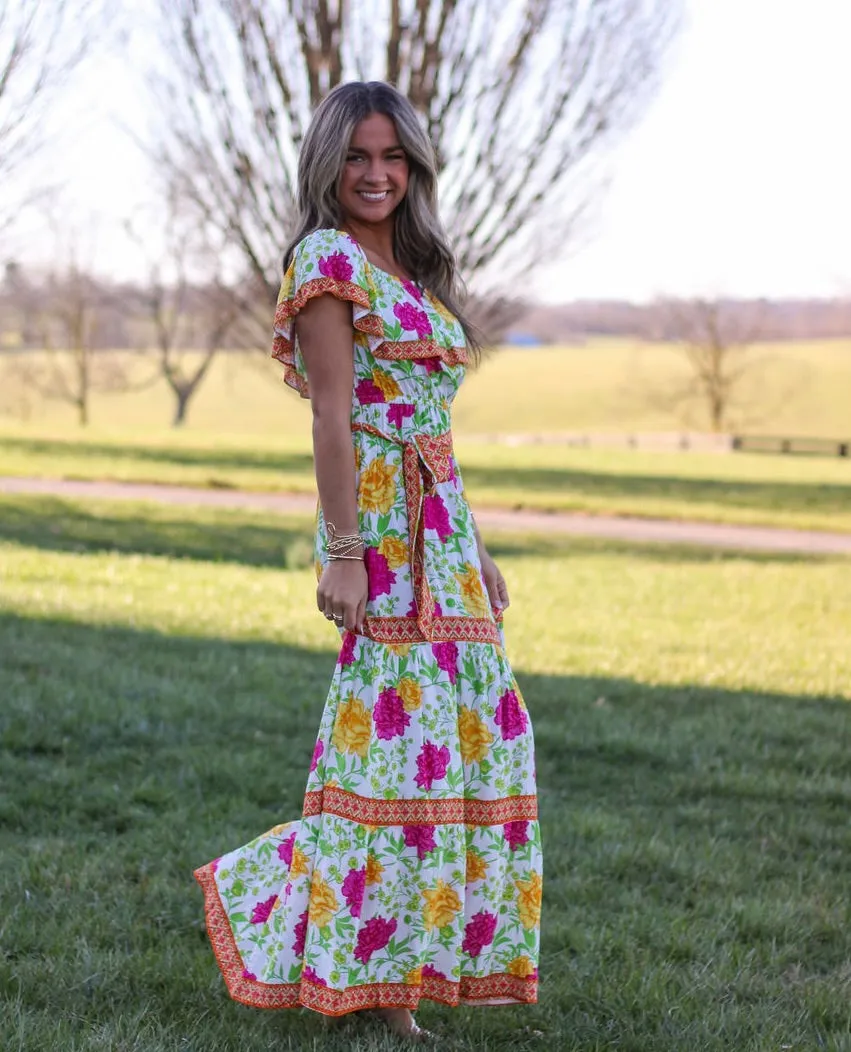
pixel 326 261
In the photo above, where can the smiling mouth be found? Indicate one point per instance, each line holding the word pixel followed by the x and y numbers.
pixel 367 196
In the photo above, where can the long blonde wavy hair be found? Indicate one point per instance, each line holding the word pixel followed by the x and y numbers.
pixel 419 241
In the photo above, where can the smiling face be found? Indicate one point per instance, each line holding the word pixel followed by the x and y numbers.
pixel 374 179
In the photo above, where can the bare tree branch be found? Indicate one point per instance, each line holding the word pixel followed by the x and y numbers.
pixel 41 42
pixel 715 338
pixel 523 101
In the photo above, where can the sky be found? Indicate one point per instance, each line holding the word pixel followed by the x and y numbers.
pixel 735 183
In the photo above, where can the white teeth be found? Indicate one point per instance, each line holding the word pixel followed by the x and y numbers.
pixel 373 197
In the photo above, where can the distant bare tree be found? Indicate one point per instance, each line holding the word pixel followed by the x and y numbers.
pixel 63 313
pixel 41 41
pixel 190 319
pixel 715 337
pixel 522 101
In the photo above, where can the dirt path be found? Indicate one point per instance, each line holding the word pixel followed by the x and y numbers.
pixel 662 531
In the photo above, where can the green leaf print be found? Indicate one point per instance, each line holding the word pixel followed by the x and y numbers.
pixel 393 331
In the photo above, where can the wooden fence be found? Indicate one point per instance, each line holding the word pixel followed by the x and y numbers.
pixel 661 441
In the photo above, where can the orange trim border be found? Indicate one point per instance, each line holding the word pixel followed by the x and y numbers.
pixel 283 349
pixel 413 811
pixel 501 986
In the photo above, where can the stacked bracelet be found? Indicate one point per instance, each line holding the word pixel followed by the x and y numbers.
pixel 343 546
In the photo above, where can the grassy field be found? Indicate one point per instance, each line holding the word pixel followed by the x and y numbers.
pixel 614 385
pixel 713 487
pixel 162 679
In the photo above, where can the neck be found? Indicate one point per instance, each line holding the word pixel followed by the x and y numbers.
pixel 375 238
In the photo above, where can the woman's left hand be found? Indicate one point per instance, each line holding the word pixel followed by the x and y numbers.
pixel 494 582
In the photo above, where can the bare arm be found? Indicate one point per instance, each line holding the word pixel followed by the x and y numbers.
pixel 494 581
pixel 324 329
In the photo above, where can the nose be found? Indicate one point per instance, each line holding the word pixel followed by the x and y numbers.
pixel 376 172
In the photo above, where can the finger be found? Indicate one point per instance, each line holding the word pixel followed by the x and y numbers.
pixel 360 615
pixel 350 617
pixel 503 592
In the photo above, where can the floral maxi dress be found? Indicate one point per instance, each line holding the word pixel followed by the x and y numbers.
pixel 415 868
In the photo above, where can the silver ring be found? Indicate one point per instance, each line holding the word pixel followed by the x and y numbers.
pixel 329 617
pixel 337 618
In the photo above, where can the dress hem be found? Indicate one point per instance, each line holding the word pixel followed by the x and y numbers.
pixel 490 990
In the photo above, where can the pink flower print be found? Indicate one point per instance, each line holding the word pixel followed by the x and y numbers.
pixel 300 935
pixel 379 575
pixel 436 517
pixel 336 265
pixel 318 749
pixel 413 290
pixel 431 365
pixel 413 318
pixel 420 837
pixel 431 764
pixel 399 412
pixel 353 889
pixel 389 716
pixel 262 910
pixel 516 834
pixel 214 865
pixel 412 609
pixel 431 972
pixel 479 933
pixel 285 850
pixel 368 392
pixel 347 651
pixel 452 476
pixel 373 936
pixel 249 975
pixel 310 975
pixel 438 609
pixel 510 718
pixel 447 658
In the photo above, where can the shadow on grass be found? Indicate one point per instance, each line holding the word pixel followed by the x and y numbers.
pixel 684 828
pixel 205 535
pixel 265 539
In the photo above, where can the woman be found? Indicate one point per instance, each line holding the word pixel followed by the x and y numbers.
pixel 415 870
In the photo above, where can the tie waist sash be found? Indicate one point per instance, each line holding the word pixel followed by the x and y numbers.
pixel 426 460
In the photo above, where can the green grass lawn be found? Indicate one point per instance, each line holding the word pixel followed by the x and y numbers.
pixel 162 678
pixel 734 488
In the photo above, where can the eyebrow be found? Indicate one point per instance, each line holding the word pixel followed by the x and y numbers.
pixel 390 149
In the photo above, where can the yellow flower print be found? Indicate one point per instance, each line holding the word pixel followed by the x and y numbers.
pixel 277 830
pixel 477 868
pixel 474 735
pixel 410 692
pixel 441 905
pixel 522 967
pixel 414 976
pixel 287 286
pixel 374 869
pixel 377 489
pixel 298 866
pixel 323 902
pixel 386 384
pixel 400 649
pixel 472 594
pixel 395 551
pixel 442 311
pixel 529 900
pixel 358 457
pixel 353 727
